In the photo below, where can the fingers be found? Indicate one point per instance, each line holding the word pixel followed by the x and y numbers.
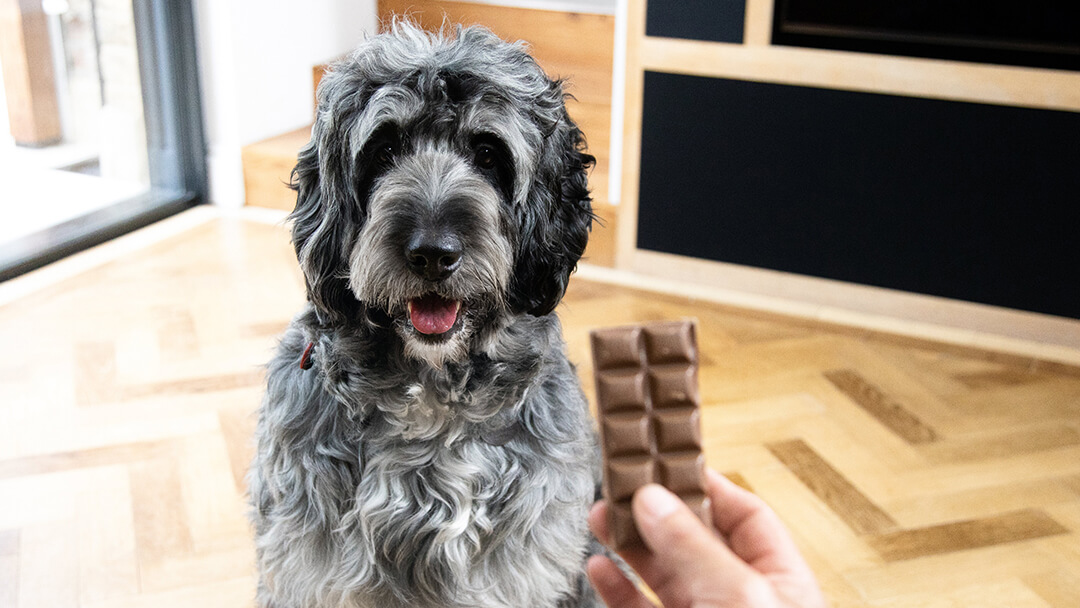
pixel 681 552
pixel 598 522
pixel 752 529
pixel 684 562
pixel 613 587
pixel 730 503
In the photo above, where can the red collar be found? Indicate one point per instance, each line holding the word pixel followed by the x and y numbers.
pixel 305 360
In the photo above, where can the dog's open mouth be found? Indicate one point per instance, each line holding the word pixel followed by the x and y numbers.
pixel 433 315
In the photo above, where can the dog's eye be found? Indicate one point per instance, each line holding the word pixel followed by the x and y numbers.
pixel 486 156
pixel 386 153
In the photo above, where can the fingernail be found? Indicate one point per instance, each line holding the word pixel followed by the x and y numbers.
pixel 715 477
pixel 657 502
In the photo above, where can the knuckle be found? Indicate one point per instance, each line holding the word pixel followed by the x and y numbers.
pixel 755 591
pixel 680 529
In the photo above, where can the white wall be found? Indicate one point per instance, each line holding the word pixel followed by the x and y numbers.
pixel 6 140
pixel 255 61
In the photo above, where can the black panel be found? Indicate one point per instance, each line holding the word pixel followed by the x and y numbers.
pixel 711 20
pixel 962 200
pixel 1042 33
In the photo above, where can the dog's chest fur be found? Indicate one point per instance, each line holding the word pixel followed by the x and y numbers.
pixel 423 489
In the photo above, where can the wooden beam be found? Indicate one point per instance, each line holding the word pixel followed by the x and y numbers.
pixel 29 83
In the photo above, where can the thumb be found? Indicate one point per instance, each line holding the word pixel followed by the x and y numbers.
pixel 684 553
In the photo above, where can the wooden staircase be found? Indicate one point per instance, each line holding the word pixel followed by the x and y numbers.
pixel 576 46
pixel 268 165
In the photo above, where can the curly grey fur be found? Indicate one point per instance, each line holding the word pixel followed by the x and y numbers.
pixel 403 469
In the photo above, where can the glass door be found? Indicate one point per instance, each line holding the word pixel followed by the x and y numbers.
pixel 100 129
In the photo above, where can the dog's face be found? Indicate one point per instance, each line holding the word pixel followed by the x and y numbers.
pixel 443 190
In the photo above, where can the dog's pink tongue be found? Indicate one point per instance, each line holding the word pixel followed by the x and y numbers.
pixel 432 314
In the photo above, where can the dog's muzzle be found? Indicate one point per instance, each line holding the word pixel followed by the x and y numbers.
pixel 433 255
pixel 431 252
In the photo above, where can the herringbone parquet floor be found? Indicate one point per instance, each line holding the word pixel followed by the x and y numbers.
pixel 911 474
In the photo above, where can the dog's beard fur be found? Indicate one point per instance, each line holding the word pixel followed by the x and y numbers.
pixel 422 190
pixel 454 466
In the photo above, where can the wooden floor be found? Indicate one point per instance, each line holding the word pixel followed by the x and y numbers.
pixel 911 475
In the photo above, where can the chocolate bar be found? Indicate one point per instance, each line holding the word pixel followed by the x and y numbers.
pixel 649 409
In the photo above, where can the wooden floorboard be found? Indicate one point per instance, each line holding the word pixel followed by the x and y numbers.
pixel 911 473
pixel 831 487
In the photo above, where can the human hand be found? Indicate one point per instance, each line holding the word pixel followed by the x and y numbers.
pixel 752 561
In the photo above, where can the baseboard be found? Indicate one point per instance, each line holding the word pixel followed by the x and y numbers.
pixel 104 253
pixel 226 176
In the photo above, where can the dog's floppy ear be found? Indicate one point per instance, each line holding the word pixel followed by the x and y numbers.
pixel 326 215
pixel 558 216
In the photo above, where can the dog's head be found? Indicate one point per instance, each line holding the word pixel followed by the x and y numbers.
pixel 443 190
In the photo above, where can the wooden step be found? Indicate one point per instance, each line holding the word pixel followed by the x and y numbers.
pixel 268 165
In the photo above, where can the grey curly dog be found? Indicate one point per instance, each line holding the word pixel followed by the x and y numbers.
pixel 424 441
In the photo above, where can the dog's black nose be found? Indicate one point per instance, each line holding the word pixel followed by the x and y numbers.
pixel 432 255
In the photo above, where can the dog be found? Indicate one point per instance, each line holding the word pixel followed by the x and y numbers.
pixel 424 441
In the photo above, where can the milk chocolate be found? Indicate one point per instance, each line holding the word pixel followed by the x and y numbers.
pixel 649 409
